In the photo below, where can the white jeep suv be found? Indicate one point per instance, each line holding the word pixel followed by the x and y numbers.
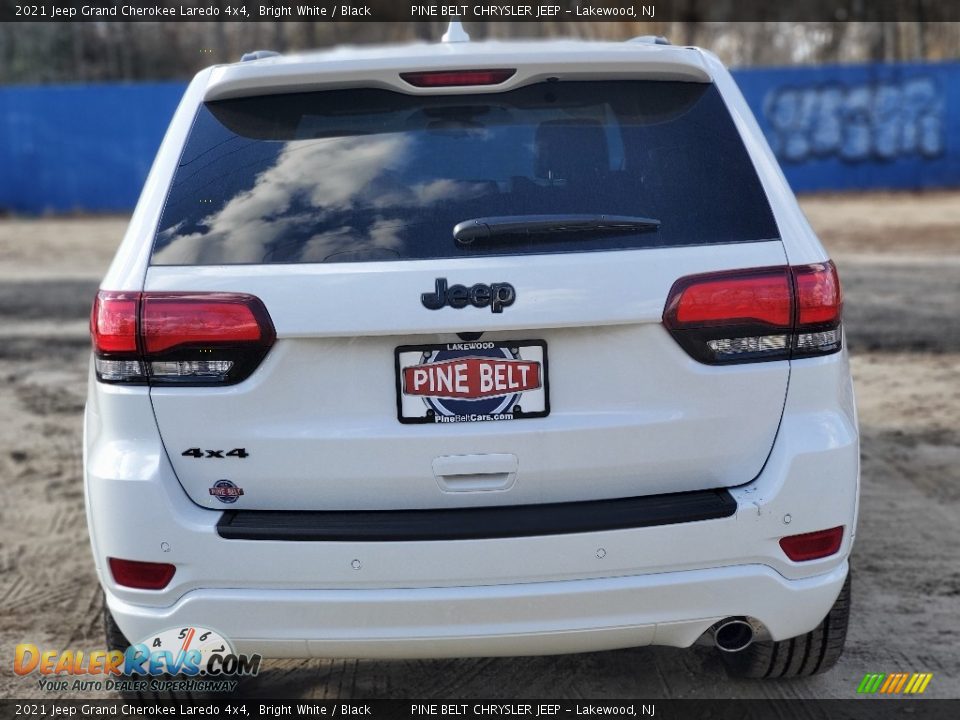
pixel 473 349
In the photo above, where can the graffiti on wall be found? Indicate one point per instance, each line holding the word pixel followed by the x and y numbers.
pixel 856 123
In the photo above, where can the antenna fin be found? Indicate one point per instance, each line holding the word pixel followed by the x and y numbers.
pixel 455 32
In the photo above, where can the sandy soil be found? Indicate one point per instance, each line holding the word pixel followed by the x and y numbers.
pixel 899 258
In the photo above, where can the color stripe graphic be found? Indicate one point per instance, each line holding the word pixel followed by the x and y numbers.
pixel 894 683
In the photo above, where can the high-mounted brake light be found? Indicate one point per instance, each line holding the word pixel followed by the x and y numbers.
pixel 814 545
pixel 141 575
pixel 179 338
pixel 457 78
pixel 772 313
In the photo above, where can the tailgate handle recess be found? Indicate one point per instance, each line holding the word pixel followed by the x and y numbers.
pixel 475 473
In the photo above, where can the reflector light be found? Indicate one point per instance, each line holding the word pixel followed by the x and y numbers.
pixel 455 78
pixel 812 546
pixel 141 575
pixel 181 338
pixel 758 314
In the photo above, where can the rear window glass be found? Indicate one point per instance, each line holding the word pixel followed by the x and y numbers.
pixel 364 174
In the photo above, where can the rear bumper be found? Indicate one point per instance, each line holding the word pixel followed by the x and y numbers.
pixel 602 589
pixel 497 620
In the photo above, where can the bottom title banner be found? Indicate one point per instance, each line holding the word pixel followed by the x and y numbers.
pixel 864 709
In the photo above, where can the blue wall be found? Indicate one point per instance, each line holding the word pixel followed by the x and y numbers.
pixel 80 147
pixel 89 147
pixel 845 127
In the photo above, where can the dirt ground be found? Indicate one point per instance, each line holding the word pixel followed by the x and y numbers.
pixel 899 260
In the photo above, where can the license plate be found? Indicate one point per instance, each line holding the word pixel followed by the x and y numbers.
pixel 477 381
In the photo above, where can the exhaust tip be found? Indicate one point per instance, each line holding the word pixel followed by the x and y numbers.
pixel 733 635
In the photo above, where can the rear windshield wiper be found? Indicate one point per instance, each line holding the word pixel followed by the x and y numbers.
pixel 524 226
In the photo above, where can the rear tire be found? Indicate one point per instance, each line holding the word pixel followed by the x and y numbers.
pixel 809 654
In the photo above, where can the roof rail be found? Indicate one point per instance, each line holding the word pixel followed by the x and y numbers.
pixel 258 55
pixel 650 40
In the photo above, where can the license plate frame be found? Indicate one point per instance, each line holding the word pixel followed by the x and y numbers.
pixel 511 355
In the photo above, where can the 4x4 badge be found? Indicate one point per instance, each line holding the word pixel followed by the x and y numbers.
pixel 497 296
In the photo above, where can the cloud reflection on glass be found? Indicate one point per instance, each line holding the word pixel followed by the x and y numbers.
pixel 312 183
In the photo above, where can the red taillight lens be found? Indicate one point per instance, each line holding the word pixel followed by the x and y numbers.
pixel 202 320
pixel 141 575
pixel 179 338
pixel 455 78
pixel 758 314
pixel 818 294
pixel 113 323
pixel 814 545
pixel 761 296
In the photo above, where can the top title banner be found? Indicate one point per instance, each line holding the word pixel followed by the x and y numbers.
pixel 531 11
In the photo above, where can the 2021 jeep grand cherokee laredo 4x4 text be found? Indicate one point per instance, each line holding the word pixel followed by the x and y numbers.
pixel 474 349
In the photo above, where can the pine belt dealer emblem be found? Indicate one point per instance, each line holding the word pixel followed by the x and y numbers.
pixel 226 491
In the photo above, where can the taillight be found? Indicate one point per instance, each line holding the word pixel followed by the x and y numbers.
pixel 457 78
pixel 772 313
pixel 814 545
pixel 819 304
pixel 141 575
pixel 179 338
pixel 113 329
